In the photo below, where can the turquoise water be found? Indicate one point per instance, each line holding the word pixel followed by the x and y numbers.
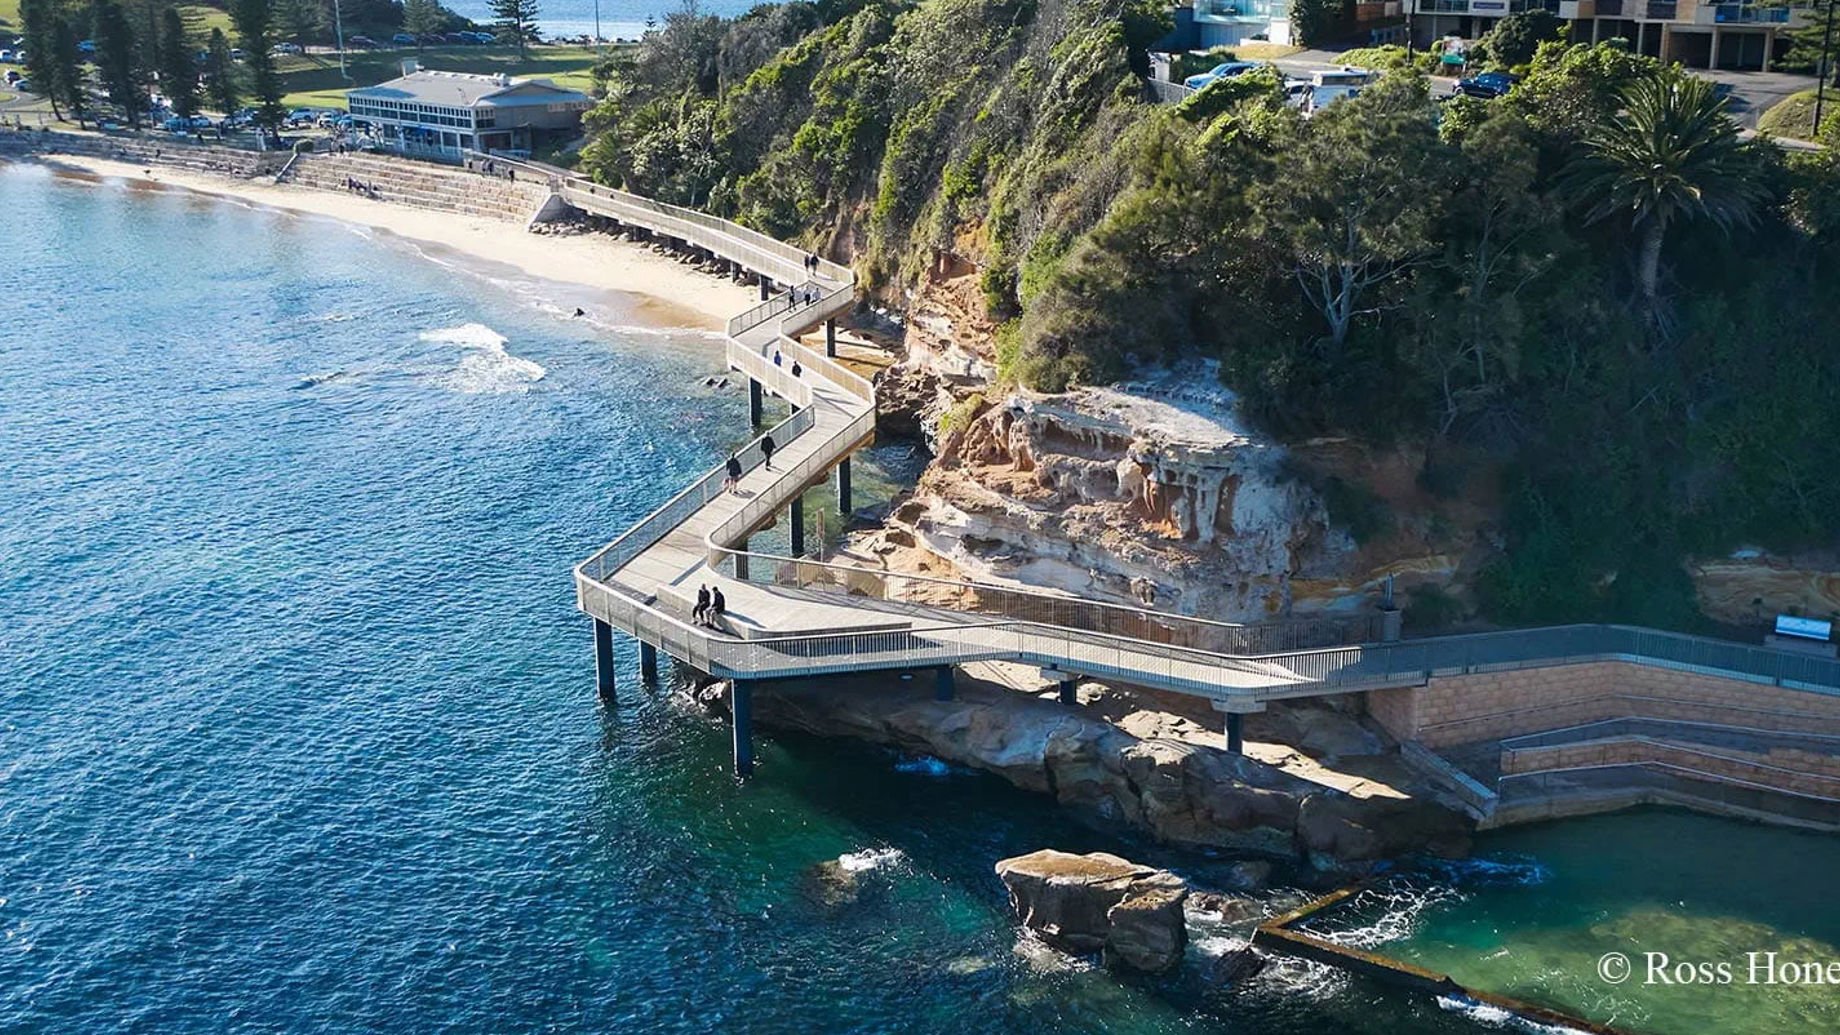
pixel 297 721
pixel 619 19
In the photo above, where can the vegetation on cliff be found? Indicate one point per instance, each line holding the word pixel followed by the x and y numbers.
pixel 1592 285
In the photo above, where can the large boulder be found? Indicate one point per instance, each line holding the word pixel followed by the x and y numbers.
pixel 1100 902
pixel 1336 830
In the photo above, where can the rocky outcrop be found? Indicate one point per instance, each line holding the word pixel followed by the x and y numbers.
pixel 1099 902
pixel 1181 792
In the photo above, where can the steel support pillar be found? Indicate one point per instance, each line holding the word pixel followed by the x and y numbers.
pixel 741 708
pixel 648 664
pixel 756 403
pixel 1236 741
pixel 1067 692
pixel 766 287
pixel 603 660
pixel 797 508
pixel 945 684
pixel 830 338
pixel 843 488
pixel 741 560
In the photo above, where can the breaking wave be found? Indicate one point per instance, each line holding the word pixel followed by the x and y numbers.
pixel 486 366
pixel 870 859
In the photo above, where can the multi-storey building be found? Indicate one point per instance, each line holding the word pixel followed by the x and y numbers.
pixel 1695 33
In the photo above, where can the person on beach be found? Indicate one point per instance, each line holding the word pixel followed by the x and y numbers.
pixel 766 450
pixel 718 607
pixel 700 613
pixel 734 474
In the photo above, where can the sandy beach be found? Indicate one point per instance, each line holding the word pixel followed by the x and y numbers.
pixel 658 290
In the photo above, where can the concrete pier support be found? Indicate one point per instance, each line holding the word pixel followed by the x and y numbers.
pixel 741 708
pixel 843 488
pixel 797 510
pixel 830 338
pixel 1067 692
pixel 648 664
pixel 1236 741
pixel 756 403
pixel 603 661
pixel 766 287
pixel 945 683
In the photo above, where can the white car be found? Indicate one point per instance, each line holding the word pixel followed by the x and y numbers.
pixel 287 48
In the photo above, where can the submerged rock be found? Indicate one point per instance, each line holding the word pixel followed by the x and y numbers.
pixel 1232 968
pixel 1100 902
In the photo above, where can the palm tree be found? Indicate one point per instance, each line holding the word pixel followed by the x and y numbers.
pixel 1672 154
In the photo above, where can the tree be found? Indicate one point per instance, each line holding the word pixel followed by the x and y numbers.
pixel 222 73
pixel 67 80
pixel 178 69
pixel 115 60
pixel 1515 38
pixel 423 18
pixel 51 57
pixel 1672 155
pixel 254 22
pixel 1316 21
pixel 302 21
pixel 517 19
pixel 1355 204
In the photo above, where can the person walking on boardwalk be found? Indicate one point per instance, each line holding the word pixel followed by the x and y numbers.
pixel 766 450
pixel 796 369
pixel 700 613
pixel 734 474
pixel 776 357
pixel 718 607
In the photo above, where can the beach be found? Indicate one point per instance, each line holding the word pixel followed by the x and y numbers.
pixel 657 289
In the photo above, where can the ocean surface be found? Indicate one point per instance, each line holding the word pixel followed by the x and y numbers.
pixel 619 19
pixel 298 729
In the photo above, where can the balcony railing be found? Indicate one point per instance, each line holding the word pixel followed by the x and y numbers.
pixel 1728 13
pixel 1663 10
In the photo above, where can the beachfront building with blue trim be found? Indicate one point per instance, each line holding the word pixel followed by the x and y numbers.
pixel 444 114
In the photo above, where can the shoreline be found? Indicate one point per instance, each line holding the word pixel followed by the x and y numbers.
pixel 652 289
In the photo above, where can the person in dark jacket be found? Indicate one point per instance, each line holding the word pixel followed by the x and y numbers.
pixel 734 474
pixel 718 607
pixel 700 613
pixel 766 450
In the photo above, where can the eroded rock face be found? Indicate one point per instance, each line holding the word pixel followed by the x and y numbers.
pixel 1180 792
pixel 1100 902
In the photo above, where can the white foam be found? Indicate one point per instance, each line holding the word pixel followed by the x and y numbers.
pixel 870 859
pixel 1496 1017
pixel 487 366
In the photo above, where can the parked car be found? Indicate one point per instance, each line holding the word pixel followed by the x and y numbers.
pixel 6 56
pixel 236 54
pixel 360 41
pixel 329 119
pixel 403 39
pixel 86 47
pixel 1488 85
pixel 288 48
pixel 185 124
pixel 24 86
pixel 480 37
pixel 1224 70
pixel 13 76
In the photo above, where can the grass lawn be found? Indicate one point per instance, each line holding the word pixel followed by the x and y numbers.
pixel 199 21
pixel 1793 116
pixel 9 18
pixel 1260 50
pixel 312 80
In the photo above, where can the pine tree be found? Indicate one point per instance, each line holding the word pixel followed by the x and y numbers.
pixel 223 73
pixel 50 64
pixel 423 18
pixel 115 60
pixel 178 69
pixel 255 30
pixel 516 18
pixel 67 82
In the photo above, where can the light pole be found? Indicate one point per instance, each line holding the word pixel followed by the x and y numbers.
pixel 338 27
pixel 597 27
pixel 1820 89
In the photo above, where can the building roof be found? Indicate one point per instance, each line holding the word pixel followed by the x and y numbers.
pixel 467 90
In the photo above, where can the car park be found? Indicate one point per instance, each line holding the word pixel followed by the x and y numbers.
pixel 1224 70
pixel 403 39
pixel 361 41
pixel 1487 85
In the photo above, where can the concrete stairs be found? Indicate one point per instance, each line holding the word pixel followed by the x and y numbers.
pixel 421 185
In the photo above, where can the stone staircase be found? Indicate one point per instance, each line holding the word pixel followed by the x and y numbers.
pixel 421 185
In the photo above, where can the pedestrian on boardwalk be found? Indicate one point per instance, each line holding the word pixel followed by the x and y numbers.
pixel 718 607
pixel 734 474
pixel 700 613
pixel 776 357
pixel 796 369
pixel 766 449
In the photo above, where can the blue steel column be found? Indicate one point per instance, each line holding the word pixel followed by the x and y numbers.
pixel 756 404
pixel 603 660
pixel 944 683
pixel 797 507
pixel 648 664
pixel 1236 743
pixel 843 487
pixel 741 708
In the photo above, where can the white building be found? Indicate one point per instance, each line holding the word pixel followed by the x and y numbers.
pixel 446 113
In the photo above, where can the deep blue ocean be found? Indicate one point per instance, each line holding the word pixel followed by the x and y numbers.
pixel 619 19
pixel 298 729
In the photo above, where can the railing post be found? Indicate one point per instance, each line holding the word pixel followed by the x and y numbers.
pixel 843 488
pixel 756 404
pixel 797 509
pixel 603 661
pixel 741 710
pixel 830 338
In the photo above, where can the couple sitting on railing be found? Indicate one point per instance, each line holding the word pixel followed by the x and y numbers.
pixel 710 607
